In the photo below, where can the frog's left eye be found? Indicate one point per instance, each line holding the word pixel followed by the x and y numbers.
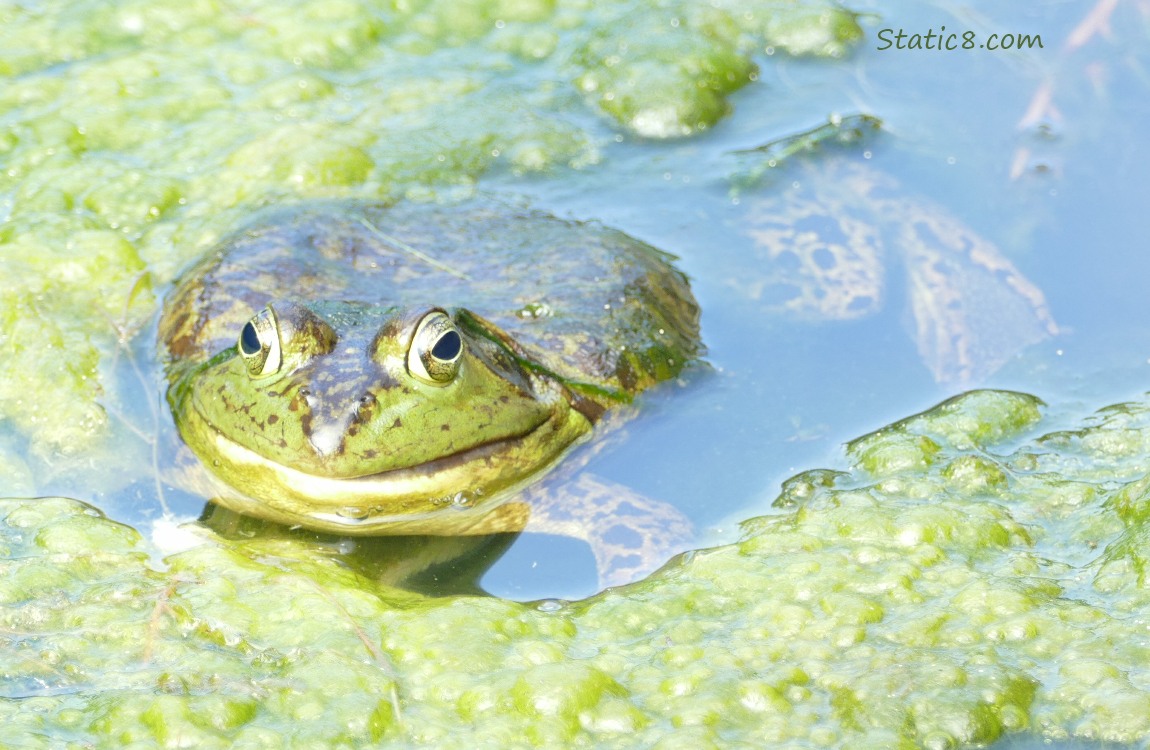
pixel 436 350
pixel 259 344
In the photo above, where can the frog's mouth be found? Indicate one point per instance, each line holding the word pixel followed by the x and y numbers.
pixel 446 495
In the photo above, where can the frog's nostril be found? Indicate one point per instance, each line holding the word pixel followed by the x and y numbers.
pixel 364 408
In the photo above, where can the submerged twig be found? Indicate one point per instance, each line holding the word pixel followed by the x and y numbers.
pixel 376 652
pixel 755 163
pixel 1041 108
pixel 1096 22
pixel 400 244
pixel 125 333
pixel 158 611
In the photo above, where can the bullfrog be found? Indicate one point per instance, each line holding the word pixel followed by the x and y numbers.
pixel 374 370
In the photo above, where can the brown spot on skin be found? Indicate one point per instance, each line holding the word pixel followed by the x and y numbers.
pixel 390 329
pixel 369 453
pixel 627 376
pixel 397 423
pixel 180 346
pixel 588 408
pixel 299 400
pixel 445 427
pixel 273 418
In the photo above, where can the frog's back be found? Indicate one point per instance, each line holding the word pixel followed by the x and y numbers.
pixel 584 301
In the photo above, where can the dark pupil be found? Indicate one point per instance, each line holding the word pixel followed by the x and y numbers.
pixel 447 347
pixel 249 340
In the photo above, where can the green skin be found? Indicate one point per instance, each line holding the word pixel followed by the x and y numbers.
pixel 346 433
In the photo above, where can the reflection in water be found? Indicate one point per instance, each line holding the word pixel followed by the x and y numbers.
pixel 827 242
pixel 827 229
pixel 432 565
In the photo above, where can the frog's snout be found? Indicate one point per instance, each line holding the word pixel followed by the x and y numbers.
pixel 331 421
pixel 327 439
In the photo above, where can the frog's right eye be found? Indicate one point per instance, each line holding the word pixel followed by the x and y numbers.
pixel 259 344
pixel 436 351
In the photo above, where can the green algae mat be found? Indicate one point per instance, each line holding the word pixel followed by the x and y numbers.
pixel 964 579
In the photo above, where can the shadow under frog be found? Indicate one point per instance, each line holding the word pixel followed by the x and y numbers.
pixel 431 565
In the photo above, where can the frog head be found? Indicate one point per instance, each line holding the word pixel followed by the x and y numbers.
pixel 349 417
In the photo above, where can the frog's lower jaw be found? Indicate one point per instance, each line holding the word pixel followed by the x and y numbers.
pixel 454 495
